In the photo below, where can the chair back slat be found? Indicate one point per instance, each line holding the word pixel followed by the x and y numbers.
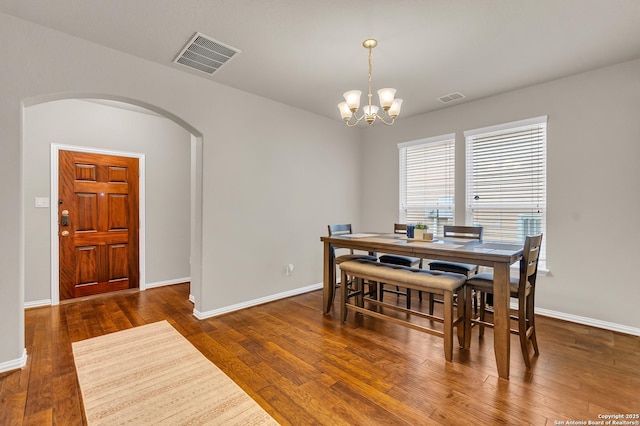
pixel 337 230
pixel 471 232
pixel 399 228
pixel 342 229
pixel 530 256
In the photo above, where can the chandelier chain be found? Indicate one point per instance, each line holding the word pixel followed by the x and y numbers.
pixel 370 95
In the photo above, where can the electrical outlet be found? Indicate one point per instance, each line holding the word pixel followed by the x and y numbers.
pixel 290 269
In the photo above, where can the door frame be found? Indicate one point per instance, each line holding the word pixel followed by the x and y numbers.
pixel 55 248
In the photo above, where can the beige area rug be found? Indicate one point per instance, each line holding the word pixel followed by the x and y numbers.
pixel 153 375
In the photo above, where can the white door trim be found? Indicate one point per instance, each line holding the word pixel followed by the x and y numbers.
pixel 55 250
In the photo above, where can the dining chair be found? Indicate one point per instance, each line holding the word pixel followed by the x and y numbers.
pixel 463 232
pixel 414 262
pixel 523 288
pixel 346 229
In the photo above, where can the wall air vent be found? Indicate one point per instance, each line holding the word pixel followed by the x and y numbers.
pixel 450 97
pixel 205 54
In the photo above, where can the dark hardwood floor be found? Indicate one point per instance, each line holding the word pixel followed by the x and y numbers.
pixel 306 368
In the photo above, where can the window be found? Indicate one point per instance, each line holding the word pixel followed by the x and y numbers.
pixel 427 177
pixel 506 180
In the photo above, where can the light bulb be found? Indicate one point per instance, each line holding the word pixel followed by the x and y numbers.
pixel 386 96
pixel 394 111
pixel 353 99
pixel 345 112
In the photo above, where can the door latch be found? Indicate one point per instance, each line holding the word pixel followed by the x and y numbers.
pixel 64 221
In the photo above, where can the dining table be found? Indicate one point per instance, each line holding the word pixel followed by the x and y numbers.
pixel 497 255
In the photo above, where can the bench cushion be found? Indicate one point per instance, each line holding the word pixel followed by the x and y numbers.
pixel 396 274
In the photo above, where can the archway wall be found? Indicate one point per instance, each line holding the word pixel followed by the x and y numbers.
pixel 111 127
pixel 272 176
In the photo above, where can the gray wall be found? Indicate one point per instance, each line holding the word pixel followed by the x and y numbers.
pixel 593 148
pixel 272 176
pixel 167 148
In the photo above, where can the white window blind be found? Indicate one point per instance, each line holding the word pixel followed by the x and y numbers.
pixel 427 178
pixel 506 180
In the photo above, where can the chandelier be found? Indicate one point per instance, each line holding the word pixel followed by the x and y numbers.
pixel 386 96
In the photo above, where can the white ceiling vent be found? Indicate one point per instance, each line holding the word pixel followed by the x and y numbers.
pixel 205 54
pixel 450 97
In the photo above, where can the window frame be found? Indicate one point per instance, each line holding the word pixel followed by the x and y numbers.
pixel 541 172
pixel 449 138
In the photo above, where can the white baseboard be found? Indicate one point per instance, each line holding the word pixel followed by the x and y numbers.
pixel 47 302
pixel 582 320
pixel 168 282
pixel 15 364
pixel 37 303
pixel 514 305
pixel 589 321
pixel 255 302
pixel 208 314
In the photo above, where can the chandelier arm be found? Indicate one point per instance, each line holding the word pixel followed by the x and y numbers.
pixel 382 119
pixel 356 122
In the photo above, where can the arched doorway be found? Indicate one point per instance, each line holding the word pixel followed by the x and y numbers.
pixel 194 179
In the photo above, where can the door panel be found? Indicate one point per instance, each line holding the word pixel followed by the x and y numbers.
pixel 99 250
pixel 118 261
pixel 87 208
pixel 117 174
pixel 86 261
pixel 118 206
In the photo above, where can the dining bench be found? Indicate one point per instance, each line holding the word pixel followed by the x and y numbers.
pixel 445 284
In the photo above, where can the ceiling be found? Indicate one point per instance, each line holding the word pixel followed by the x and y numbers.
pixel 307 53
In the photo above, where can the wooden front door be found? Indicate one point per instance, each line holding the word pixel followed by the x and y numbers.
pixel 98 223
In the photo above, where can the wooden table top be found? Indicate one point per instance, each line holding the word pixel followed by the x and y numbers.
pixel 453 249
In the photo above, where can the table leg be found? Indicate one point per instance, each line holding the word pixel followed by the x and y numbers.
pixel 329 278
pixel 501 333
pixel 462 312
